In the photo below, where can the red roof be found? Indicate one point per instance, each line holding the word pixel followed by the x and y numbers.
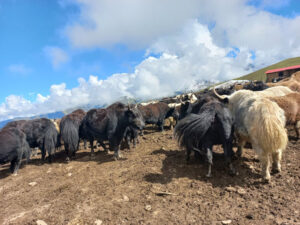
pixel 283 69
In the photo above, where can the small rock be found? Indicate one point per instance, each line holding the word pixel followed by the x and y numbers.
pixel 69 174
pixel 249 216
pixel 125 198
pixel 241 191
pixel 148 207
pixel 226 222
pixel 32 184
pixel 49 170
pixel 162 148
pixel 230 189
pixel 41 222
pixel 98 222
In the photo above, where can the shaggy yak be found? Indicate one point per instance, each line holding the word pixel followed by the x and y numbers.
pixel 69 131
pixel 156 113
pixel 210 123
pixel 39 133
pixel 110 124
pixel 260 122
pixel 291 105
pixel 13 147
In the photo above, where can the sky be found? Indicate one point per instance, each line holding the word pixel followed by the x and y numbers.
pixel 61 54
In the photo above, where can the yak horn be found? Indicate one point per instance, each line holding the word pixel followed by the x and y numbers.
pixel 222 97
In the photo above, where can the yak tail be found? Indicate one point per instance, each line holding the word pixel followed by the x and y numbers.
pixel 70 135
pixel 190 130
pixel 268 127
pixel 50 142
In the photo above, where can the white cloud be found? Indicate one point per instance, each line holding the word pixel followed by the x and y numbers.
pixel 178 67
pixel 19 69
pixel 136 23
pixel 56 55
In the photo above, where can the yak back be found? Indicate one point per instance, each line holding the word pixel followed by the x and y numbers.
pixel 155 112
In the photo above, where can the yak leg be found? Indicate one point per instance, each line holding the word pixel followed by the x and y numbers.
pixel 92 147
pixel 160 125
pixel 209 157
pixel 228 152
pixel 128 140
pixel 240 148
pixel 43 154
pixel 15 164
pixel 117 154
pixel 188 153
pixel 134 141
pixel 276 166
pixel 84 144
pixel 264 157
pixel 103 145
pixel 297 129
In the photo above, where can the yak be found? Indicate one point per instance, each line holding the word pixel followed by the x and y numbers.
pixel 260 122
pixel 209 123
pixel 39 133
pixel 156 113
pixel 131 134
pixel 69 131
pixel 110 124
pixel 13 147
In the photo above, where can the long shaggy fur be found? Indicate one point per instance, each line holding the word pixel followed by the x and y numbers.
pixel 291 105
pixel 213 124
pixel 13 147
pixel 260 121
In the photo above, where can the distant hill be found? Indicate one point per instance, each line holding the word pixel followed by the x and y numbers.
pixel 260 74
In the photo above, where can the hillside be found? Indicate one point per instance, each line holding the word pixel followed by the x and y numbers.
pixel 260 74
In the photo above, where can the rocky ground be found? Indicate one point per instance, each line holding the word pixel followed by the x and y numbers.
pixel 152 184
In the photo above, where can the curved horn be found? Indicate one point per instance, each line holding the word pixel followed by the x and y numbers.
pixel 222 97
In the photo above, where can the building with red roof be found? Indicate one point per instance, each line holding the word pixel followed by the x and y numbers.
pixel 281 73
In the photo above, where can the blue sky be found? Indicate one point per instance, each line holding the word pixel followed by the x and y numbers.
pixel 27 28
pixel 50 49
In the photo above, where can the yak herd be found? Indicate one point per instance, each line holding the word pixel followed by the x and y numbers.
pixel 255 113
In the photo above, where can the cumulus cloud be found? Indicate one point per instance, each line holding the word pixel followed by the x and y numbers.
pixel 178 67
pixel 135 23
pixel 19 69
pixel 57 56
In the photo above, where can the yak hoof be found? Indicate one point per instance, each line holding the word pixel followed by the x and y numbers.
pixel 208 175
pixel 266 180
pixel 15 174
pixel 276 170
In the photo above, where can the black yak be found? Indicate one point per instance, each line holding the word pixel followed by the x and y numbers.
pixel 13 147
pixel 110 124
pixel 210 123
pixel 69 131
pixel 40 133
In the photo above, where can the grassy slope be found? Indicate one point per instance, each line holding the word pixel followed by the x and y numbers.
pixel 260 74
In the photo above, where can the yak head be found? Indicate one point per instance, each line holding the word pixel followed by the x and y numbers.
pixel 134 117
pixel 223 98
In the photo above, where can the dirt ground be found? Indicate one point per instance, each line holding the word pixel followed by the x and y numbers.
pixel 152 184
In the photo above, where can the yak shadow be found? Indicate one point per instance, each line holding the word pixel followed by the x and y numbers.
pixel 175 166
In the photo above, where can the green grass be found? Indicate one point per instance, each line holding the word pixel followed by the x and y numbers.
pixel 260 74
